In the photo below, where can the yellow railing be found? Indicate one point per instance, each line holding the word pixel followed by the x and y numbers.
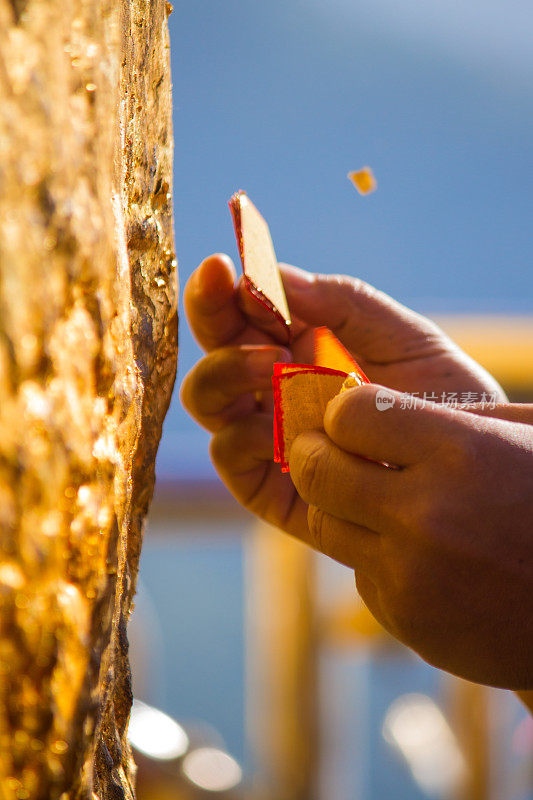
pixel 502 344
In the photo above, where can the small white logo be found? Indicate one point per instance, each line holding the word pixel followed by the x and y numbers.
pixel 384 400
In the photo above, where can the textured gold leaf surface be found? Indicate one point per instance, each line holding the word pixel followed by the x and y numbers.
pixel 87 363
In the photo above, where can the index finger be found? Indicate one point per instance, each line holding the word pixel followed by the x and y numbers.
pixel 214 307
pixel 211 304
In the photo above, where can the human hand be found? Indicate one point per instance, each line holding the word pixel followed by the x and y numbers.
pixel 394 346
pixel 442 546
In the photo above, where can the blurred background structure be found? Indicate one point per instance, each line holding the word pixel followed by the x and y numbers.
pixel 282 684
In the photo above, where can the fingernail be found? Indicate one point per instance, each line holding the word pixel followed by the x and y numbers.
pixel 297 279
pixel 261 362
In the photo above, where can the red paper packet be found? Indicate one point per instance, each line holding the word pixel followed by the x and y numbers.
pixel 302 391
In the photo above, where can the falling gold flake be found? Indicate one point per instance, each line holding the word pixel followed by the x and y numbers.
pixel 363 180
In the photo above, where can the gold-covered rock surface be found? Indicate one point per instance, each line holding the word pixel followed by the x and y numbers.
pixel 87 363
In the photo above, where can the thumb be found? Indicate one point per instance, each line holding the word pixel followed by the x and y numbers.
pixel 368 322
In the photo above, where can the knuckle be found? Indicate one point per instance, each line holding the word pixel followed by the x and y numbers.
pixel 424 504
pixel 308 471
pixel 218 448
pixel 353 288
pixel 230 369
pixel 428 515
pixel 201 381
pixel 401 609
pixel 336 281
pixel 403 624
pixel 410 596
pixel 325 534
pixel 187 391
pixel 340 281
pixel 347 290
pixel 364 291
pixel 452 451
pixel 403 587
pixel 400 563
pixel 226 444
pixel 316 520
pixel 209 386
pixel 461 449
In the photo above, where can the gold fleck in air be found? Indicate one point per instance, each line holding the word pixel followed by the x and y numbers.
pixel 363 180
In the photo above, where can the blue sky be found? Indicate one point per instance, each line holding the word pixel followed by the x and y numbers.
pixel 283 98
